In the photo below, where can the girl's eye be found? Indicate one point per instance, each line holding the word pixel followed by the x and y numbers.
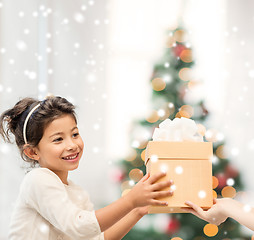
pixel 75 134
pixel 58 139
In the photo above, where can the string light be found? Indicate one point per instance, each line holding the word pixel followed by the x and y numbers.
pixel 228 192
pixel 185 74
pixel 153 117
pixel 210 230
pixel 158 84
pixel 136 174
pixel 143 153
pixel 215 182
pixel 186 56
pixel 180 35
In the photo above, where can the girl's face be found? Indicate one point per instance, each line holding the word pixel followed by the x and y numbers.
pixel 61 147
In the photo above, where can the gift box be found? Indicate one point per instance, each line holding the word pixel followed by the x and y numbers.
pixel 189 165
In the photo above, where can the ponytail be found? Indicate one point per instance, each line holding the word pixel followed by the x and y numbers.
pixel 12 121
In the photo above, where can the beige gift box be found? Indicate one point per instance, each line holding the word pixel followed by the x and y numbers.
pixel 188 164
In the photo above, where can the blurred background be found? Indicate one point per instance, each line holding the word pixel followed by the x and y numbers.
pixel 103 56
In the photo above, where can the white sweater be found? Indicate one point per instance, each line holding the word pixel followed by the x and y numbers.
pixel 47 209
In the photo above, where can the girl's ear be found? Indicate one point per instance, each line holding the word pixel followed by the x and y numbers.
pixel 31 152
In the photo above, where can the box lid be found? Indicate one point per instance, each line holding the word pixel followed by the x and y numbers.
pixel 179 150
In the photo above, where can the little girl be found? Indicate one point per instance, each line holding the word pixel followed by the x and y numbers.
pixel 49 205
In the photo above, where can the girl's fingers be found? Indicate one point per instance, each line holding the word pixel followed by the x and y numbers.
pixel 155 202
pixel 161 185
pixel 143 179
pixel 162 194
pixel 154 178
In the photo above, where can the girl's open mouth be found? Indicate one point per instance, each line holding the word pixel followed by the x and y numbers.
pixel 71 158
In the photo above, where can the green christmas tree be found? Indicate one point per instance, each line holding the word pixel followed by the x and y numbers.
pixel 170 81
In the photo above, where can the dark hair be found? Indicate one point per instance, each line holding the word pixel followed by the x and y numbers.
pixel 12 120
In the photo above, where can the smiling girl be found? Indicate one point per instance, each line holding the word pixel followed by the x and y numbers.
pixel 49 205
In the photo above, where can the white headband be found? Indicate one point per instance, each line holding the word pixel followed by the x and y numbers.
pixel 27 118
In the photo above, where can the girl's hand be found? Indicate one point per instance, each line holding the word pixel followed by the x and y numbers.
pixel 142 211
pixel 214 215
pixel 147 190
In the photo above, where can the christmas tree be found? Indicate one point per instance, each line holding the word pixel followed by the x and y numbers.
pixel 171 80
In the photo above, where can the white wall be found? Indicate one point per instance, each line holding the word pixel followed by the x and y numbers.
pixel 239 111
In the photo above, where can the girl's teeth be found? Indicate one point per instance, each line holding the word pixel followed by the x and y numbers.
pixel 69 158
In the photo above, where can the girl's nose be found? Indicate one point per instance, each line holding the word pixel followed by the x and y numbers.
pixel 71 145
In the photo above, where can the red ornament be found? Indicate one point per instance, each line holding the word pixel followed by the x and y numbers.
pixel 178 49
pixel 231 171
pixel 222 180
pixel 173 226
pixel 116 175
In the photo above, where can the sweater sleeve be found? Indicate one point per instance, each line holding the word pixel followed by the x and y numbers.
pixel 44 192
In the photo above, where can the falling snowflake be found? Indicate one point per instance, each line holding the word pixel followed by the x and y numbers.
pixel 44 228
pixel 83 7
pixel 96 126
pixel 202 194
pixel 35 14
pixel 97 22
pixel 164 168
pixel 179 169
pixel 21 14
pixel 21 45
pixel 26 31
pixel 79 17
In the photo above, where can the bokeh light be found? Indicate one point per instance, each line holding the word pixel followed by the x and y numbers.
pixel 132 156
pixel 137 162
pixel 136 174
pixel 171 108
pixel 143 155
pixel 185 74
pixel 201 129
pixel 170 42
pixel 126 185
pixel 186 56
pixel 228 192
pixel 215 194
pixel 230 182
pixel 180 35
pixel 164 113
pixel 220 152
pixel 158 84
pixel 212 135
pixel 186 111
pixel 210 230
pixel 153 117
pixel 215 182
pixel 135 144
pixel 176 238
